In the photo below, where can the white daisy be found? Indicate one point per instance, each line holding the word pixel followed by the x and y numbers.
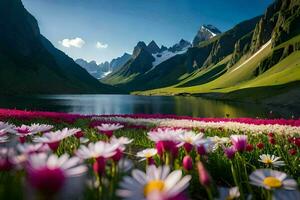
pixel 95 150
pixel 166 134
pixel 52 139
pixel 121 142
pixel 219 141
pixel 48 172
pixel 190 137
pixel 25 130
pixel 109 127
pixel 32 148
pixel 158 181
pixel 3 137
pixel 271 160
pixel 6 127
pixel 56 136
pixel 146 153
pixel 272 179
pixel 9 159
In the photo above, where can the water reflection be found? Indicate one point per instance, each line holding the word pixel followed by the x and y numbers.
pixel 127 104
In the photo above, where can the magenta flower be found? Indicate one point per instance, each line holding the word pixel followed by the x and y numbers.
pixel 230 152
pixel 239 142
pixel 187 163
pixel 24 130
pixel 79 134
pixel 48 174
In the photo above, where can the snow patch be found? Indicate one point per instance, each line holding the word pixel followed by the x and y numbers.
pixel 166 55
pixel 105 74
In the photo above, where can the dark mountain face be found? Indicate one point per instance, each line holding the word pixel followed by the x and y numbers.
pixel 119 62
pixel 153 47
pixel 205 33
pixel 29 63
pixel 163 48
pixel 183 44
pixel 138 48
pixel 280 22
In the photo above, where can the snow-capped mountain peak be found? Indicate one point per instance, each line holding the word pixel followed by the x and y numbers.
pixel 206 32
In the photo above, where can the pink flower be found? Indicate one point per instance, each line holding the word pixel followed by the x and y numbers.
pixel 32 148
pixel 52 139
pixel 100 151
pixel 230 152
pixel 48 173
pixel 167 140
pixel 187 163
pixel 99 165
pixel 108 129
pixel 239 142
pixel 204 176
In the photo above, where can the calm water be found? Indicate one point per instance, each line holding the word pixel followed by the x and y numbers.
pixel 127 104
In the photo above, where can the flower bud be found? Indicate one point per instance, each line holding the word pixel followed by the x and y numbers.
pixel 204 177
pixel 187 163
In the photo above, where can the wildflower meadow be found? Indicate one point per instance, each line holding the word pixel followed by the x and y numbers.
pixel 46 155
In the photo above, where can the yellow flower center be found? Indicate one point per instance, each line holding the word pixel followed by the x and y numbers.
pixel 189 140
pixel 152 186
pixel 148 155
pixel 268 161
pixel 272 182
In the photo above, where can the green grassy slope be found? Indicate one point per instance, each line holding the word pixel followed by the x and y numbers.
pixel 242 77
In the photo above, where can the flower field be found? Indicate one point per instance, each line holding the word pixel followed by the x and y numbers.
pixel 47 155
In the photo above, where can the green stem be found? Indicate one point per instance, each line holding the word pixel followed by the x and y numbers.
pixel 236 181
pixel 209 193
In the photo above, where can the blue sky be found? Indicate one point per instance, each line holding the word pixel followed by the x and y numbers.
pixel 104 29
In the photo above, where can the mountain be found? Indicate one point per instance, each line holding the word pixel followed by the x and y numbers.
pixel 116 63
pixel 206 32
pixel 30 64
pixel 256 61
pixel 105 68
pixel 153 47
pixel 170 68
pixel 145 58
pixel 167 53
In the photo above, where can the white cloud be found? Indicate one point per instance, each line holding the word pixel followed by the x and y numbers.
pixel 99 45
pixel 76 42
